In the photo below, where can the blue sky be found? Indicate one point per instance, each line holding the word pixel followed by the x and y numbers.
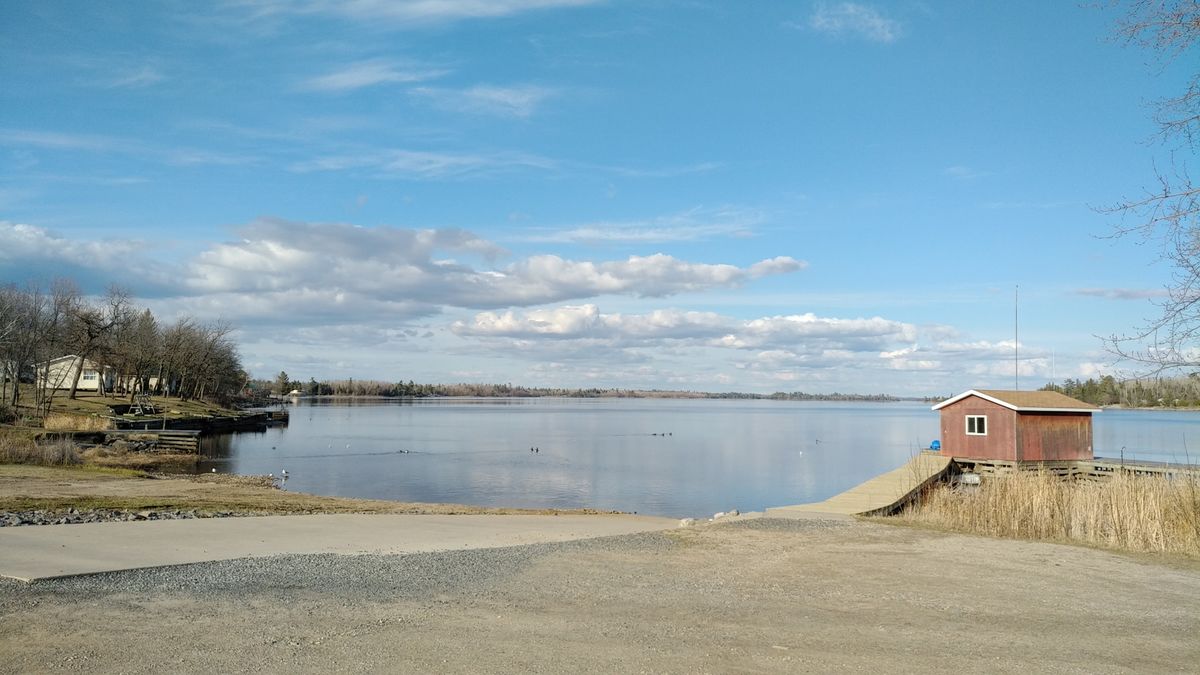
pixel 766 196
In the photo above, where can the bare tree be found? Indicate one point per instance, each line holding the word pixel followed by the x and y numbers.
pixel 90 329
pixel 136 352
pixel 1168 215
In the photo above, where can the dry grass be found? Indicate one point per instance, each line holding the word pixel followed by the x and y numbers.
pixel 19 450
pixel 1130 513
pixel 118 456
pixel 68 422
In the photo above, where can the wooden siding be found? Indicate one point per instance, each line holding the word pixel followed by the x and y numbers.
pixel 1052 436
pixel 1000 441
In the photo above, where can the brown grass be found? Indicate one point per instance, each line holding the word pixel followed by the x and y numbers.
pixel 68 422
pixel 1130 513
pixel 19 450
pixel 119 457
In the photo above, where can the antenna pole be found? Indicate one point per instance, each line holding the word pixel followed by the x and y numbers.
pixel 1016 339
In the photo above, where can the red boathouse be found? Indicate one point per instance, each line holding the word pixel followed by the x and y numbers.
pixel 1016 425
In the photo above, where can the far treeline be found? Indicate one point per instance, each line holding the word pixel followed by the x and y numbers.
pixel 283 384
pixel 135 352
pixel 1166 392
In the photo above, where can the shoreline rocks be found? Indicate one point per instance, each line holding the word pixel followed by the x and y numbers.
pixel 80 516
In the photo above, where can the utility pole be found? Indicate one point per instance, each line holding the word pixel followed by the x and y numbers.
pixel 1016 339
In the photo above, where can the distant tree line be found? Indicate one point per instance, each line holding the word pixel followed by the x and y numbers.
pixel 186 358
pixel 1165 392
pixel 283 384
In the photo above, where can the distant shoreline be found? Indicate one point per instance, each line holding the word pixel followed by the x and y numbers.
pixel 694 396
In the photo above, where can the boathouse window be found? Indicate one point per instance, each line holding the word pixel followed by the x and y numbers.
pixel 977 425
pixel 90 375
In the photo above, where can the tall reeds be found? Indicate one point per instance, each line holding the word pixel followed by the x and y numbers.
pixel 1132 513
pixel 18 450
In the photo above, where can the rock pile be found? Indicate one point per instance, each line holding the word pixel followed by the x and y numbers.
pixel 75 516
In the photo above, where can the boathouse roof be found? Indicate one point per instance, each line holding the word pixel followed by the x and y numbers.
pixel 1024 401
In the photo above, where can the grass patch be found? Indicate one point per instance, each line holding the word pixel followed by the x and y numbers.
pixel 57 421
pixel 15 449
pixel 1128 513
pixel 88 403
pixel 118 457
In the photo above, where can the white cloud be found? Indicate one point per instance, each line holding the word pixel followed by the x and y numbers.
pixel 405 12
pixel 1124 293
pixel 370 73
pixel 423 164
pixel 779 338
pixel 515 101
pixel 312 270
pixel 26 243
pixel 135 78
pixel 960 172
pixel 57 141
pixel 696 224
pixel 51 140
pixel 852 18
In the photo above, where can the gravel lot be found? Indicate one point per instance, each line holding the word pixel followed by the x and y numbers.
pixel 750 596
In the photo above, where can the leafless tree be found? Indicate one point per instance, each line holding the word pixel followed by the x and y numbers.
pixel 91 328
pixel 1168 215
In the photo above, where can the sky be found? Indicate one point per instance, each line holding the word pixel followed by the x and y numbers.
pixel 674 194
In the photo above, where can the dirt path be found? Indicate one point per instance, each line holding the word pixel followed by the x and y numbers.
pixel 754 596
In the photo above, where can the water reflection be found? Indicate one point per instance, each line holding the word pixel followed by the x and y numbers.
pixel 665 457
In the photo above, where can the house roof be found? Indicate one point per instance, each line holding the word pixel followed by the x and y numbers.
pixel 88 364
pixel 1025 401
pixel 57 359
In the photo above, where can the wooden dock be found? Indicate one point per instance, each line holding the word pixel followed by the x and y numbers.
pixel 1099 469
pixel 179 441
pixel 879 496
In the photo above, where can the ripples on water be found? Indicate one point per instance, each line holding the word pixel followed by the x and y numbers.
pixel 654 456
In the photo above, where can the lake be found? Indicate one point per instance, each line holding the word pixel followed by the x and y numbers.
pixel 653 456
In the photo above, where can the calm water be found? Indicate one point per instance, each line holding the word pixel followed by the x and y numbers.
pixel 662 457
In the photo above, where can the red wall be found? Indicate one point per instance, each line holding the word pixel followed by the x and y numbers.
pixel 1000 442
pixel 1054 436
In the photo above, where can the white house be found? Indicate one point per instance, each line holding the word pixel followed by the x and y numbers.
pixel 58 374
pixel 8 374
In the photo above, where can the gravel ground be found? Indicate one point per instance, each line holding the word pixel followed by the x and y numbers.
pixel 748 596
pixel 358 577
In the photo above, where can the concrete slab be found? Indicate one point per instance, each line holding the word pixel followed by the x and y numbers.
pixel 49 551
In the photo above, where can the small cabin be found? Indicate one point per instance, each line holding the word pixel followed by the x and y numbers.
pixel 1016 426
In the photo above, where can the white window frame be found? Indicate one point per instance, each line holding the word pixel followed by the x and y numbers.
pixel 977 433
pixel 90 375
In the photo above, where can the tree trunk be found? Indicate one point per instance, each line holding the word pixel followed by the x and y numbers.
pixel 75 379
